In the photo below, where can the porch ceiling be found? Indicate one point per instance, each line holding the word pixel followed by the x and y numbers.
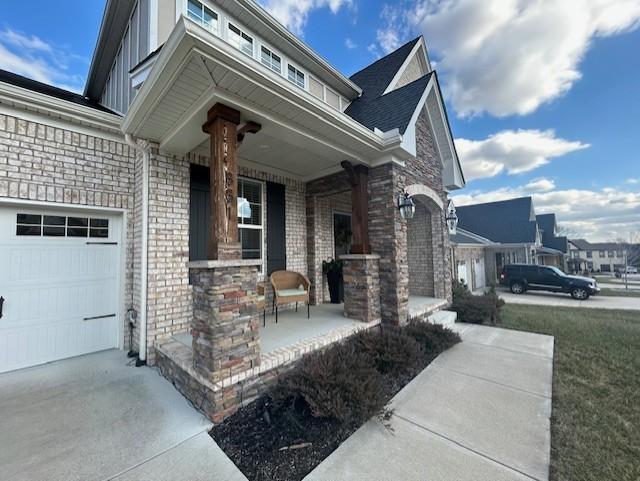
pixel 300 134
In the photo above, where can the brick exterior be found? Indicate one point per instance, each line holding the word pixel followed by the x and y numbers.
pixel 420 252
pixel 39 162
pixel 362 287
pixel 469 255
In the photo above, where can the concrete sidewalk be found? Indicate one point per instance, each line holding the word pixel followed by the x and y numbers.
pixel 96 418
pixel 565 300
pixel 479 412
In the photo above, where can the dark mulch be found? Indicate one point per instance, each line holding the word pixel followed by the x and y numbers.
pixel 254 437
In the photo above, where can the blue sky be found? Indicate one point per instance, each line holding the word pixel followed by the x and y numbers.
pixel 543 97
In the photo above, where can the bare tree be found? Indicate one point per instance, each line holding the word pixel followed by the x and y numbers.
pixel 631 253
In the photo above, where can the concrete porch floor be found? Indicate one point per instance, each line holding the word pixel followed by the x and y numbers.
pixel 421 305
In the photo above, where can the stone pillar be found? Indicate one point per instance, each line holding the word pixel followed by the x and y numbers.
pixel 361 287
pixel 225 325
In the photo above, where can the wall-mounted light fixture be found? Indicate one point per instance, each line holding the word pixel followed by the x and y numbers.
pixel 407 206
pixel 452 218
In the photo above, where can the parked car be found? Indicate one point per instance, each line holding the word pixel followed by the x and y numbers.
pixel 523 277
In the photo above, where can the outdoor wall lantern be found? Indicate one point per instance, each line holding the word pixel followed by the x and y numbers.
pixel 451 218
pixel 407 206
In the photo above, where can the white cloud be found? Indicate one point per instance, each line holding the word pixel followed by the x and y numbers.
pixel 540 185
pixel 598 215
pixel 39 60
pixel 633 181
pixel 294 13
pixel 350 44
pixel 513 151
pixel 508 57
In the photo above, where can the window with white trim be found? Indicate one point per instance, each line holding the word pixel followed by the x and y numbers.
pixel 295 76
pixel 270 59
pixel 61 226
pixel 240 40
pixel 250 218
pixel 203 15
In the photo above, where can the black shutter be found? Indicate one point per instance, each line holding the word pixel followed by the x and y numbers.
pixel 199 213
pixel 276 232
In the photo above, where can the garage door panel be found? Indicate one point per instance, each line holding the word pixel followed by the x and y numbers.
pixel 62 293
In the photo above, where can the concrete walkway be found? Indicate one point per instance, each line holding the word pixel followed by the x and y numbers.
pixel 479 412
pixel 565 300
pixel 96 418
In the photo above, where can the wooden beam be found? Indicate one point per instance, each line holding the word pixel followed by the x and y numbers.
pixel 222 126
pixel 359 180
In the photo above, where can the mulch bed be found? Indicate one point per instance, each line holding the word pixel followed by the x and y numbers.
pixel 294 442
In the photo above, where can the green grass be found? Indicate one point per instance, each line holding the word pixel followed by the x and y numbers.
pixel 595 424
pixel 619 292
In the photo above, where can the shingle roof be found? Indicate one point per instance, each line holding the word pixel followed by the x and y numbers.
pixel 585 245
pixel 508 221
pixel 35 86
pixel 547 223
pixel 395 109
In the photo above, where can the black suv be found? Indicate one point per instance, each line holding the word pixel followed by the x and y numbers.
pixel 523 277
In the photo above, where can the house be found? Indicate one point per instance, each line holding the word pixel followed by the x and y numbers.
pixel 555 249
pixel 511 227
pixel 596 256
pixel 472 260
pixel 211 148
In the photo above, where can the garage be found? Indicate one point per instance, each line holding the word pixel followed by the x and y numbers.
pixel 60 284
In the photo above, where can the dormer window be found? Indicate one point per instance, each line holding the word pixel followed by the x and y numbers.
pixel 203 15
pixel 240 40
pixel 295 76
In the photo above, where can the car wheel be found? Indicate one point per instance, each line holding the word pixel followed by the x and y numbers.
pixel 580 293
pixel 517 288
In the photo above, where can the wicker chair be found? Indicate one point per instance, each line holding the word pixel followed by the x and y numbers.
pixel 289 287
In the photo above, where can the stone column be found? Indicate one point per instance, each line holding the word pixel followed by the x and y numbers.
pixel 225 326
pixel 361 287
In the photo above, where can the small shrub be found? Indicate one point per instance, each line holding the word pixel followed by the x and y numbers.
pixel 432 338
pixel 339 383
pixel 392 351
pixel 476 309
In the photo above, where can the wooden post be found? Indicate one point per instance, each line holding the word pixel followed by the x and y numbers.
pixel 222 126
pixel 358 177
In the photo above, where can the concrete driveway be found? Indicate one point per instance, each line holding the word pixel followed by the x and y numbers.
pixel 96 418
pixel 479 412
pixel 565 300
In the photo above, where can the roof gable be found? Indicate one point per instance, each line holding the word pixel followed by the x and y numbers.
pixel 507 222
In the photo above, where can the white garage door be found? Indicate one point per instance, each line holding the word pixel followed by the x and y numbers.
pixel 59 277
pixel 479 273
pixel 463 274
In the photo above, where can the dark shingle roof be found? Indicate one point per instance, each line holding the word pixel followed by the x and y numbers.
pixel 507 221
pixel 35 86
pixel 585 245
pixel 395 109
pixel 547 223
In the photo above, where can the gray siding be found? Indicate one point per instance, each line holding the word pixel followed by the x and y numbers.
pixel 118 94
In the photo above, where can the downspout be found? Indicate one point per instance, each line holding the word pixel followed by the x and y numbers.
pixel 144 273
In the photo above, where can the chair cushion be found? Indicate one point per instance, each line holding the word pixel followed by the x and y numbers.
pixel 291 292
pixel 260 298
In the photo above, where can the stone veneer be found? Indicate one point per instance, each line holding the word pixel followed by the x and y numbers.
pixel 361 287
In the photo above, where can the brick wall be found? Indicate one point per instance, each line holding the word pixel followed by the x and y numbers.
pixel 420 252
pixel 41 162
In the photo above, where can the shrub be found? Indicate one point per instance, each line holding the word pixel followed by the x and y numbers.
pixel 339 383
pixel 392 351
pixel 432 338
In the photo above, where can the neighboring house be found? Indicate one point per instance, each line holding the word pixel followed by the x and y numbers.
pixel 473 262
pixel 512 228
pixel 596 256
pixel 555 249
pixel 212 147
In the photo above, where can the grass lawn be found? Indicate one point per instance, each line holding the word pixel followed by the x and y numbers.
pixel 619 292
pixel 595 424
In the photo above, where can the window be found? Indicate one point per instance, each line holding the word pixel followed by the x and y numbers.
pixel 271 60
pixel 250 222
pixel 589 254
pixel 295 76
pixel 601 254
pixel 240 40
pixel 612 254
pixel 61 226
pixel 203 15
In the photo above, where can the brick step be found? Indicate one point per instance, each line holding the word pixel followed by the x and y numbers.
pixel 445 318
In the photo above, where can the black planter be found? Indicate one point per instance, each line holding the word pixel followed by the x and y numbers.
pixel 334 279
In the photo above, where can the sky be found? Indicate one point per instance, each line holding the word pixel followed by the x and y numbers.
pixel 543 96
